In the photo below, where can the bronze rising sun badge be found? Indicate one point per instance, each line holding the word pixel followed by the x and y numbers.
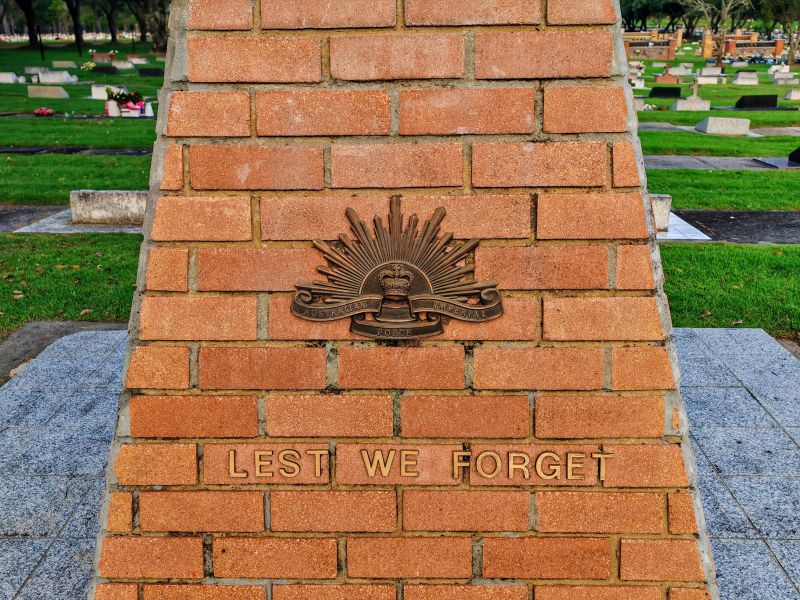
pixel 398 283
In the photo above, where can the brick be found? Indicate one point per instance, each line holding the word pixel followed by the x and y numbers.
pixel 409 558
pixel 159 367
pixel 682 518
pixel 660 560
pixel 193 416
pixel 198 318
pixel 547 558
pixel 564 417
pixel 172 171
pixel 559 592
pixel 597 319
pixel 626 165
pixel 256 270
pixel 576 12
pixel 330 512
pixel 308 217
pixel 521 321
pixel 419 464
pixel 635 268
pixel 275 558
pixel 538 368
pixel 116 591
pixel 396 165
pixel 465 592
pixel 599 512
pixel 548 164
pixel 566 54
pixel 223 368
pixel 202 219
pixel 204 592
pixel 482 12
pixel 543 267
pixel 209 114
pixel 646 466
pixel 151 558
pixel 397 56
pixel 463 111
pixel 156 464
pixel 533 465
pixel 427 368
pixel 120 512
pixel 468 511
pixel 465 417
pixel 334 592
pixel 329 416
pixel 256 167
pixel 278 59
pixel 201 511
pixel 243 464
pixel 688 594
pixel 585 109
pixel 591 216
pixel 329 112
pixel 221 15
pixel 284 325
pixel 168 270
pixel 320 14
pixel 641 369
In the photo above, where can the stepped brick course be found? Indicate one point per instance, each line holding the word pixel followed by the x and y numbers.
pixel 539 455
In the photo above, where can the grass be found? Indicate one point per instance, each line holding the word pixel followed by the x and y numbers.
pixel 731 285
pixel 48 179
pixel 53 131
pixel 700 144
pixel 66 278
pixel 728 190
pixel 758 119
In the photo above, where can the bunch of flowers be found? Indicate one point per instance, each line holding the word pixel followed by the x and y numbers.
pixel 88 66
pixel 130 100
pixel 44 112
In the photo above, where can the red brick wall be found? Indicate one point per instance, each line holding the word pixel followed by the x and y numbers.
pixel 515 116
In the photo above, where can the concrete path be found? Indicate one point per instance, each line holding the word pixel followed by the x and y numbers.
pixel 746 227
pixel 15 216
pixel 61 222
pixel 705 163
pixel 742 391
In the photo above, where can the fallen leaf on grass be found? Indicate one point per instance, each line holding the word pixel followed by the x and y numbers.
pixel 738 322
pixel 706 314
pixel 86 311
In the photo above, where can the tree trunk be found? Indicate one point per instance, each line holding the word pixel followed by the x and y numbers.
pixel 793 39
pixel 26 6
pixel 111 17
pixel 74 9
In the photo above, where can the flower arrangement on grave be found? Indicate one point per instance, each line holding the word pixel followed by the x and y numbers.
pixel 88 65
pixel 130 100
pixel 44 112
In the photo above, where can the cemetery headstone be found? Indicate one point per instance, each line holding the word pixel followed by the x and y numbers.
pixel 693 102
pixel 6 77
pixel 738 64
pixel 57 77
pixel 100 92
pixel 710 79
pixel 103 58
pixel 793 95
pixel 667 79
pixel 151 72
pixel 758 102
pixel 106 70
pixel 122 65
pixel 328 396
pixel 794 158
pixel 665 92
pixel 790 163
pixel 792 81
pixel 35 70
pixel 711 71
pixel 724 126
pixel 137 60
pixel 746 78
pixel 47 91
pixel 64 64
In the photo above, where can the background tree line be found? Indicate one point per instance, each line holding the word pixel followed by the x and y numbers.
pixel 75 17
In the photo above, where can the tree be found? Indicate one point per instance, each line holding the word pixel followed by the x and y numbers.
pixel 137 10
pixel 718 13
pixel 787 13
pixel 157 15
pixel 74 9
pixel 110 10
pixel 29 11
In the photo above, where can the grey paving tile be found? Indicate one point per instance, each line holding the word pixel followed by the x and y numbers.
pixel 85 523
pixel 32 506
pixel 703 466
pixel 740 342
pixel 18 558
pixel 705 371
pixel 13 441
pixel 788 553
pixel 782 403
pixel 28 409
pixel 687 343
pixel 68 451
pixel 64 574
pixel 763 373
pixel 724 407
pixel 772 503
pixel 747 571
pixel 724 517
pixel 95 412
pixel 750 451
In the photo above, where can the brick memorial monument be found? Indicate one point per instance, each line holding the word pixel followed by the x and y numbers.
pixel 399 330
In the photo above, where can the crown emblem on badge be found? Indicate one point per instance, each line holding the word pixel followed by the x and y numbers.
pixel 398 282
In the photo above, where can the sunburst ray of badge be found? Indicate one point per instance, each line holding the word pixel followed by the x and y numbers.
pixel 397 281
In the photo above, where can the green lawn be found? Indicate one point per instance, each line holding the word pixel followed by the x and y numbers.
pixel 96 133
pixel 731 285
pixel 700 144
pixel 49 178
pixel 758 118
pixel 728 190
pixel 66 278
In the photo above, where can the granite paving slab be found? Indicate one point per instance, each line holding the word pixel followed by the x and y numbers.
pixel 742 395
pixel 746 227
